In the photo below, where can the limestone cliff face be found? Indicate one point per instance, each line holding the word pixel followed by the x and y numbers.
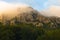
pixel 30 15
pixel 24 14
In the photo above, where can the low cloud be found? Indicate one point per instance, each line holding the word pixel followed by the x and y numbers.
pixel 5 6
pixel 52 11
pixel 52 8
pixel 10 9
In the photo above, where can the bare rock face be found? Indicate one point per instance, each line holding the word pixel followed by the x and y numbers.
pixel 30 15
pixel 27 14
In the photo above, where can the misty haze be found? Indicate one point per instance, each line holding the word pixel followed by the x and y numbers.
pixel 29 19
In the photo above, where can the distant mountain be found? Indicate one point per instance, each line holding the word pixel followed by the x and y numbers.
pixel 30 15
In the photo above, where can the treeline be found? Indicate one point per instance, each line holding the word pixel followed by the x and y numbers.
pixel 25 31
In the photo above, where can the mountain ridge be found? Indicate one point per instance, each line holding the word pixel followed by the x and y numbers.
pixel 30 15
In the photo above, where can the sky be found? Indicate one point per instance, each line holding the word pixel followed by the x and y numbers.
pixel 51 7
pixel 36 4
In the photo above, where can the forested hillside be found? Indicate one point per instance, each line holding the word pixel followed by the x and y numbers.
pixel 25 31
